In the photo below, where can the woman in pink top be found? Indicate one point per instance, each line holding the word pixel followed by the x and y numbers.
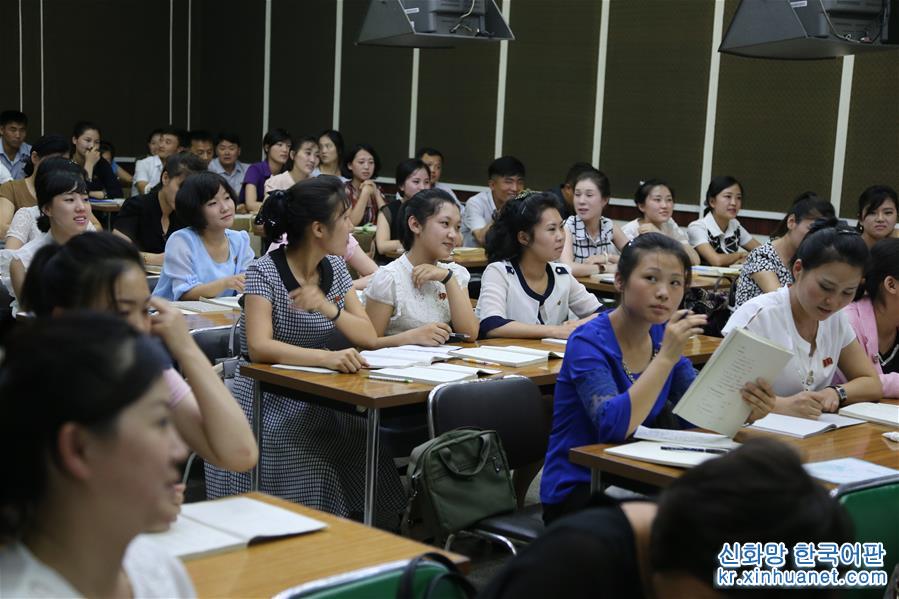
pixel 875 317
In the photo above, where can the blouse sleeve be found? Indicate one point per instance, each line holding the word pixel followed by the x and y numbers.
pixel 580 301
pixel 697 233
pixel 382 287
pixel 745 236
pixel 246 252
pixel 491 308
pixel 608 408
pixel 257 283
pixel 460 273
pixel 678 233
pixel 179 265
pixel 21 225
pixel 178 387
pixel 846 332
pixel 141 170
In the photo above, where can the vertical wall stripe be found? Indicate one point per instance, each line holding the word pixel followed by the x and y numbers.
pixel 43 125
pixel 600 80
pixel 711 111
pixel 839 151
pixel 338 57
pixel 21 70
pixel 267 67
pixel 413 104
pixel 190 4
pixel 171 34
pixel 501 85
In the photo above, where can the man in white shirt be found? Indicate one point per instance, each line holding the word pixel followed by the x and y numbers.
pixel 227 160
pixel 14 152
pixel 148 171
pixel 505 180
pixel 434 159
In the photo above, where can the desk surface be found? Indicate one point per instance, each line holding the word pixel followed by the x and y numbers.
pixel 698 281
pixel 472 258
pixel 358 390
pixel 863 441
pixel 271 567
pixel 207 320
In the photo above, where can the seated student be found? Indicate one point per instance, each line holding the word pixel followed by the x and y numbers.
pixel 874 315
pixel 718 237
pixel 624 368
pixel 877 213
pixel 276 147
pixel 330 145
pixel 434 159
pixel 362 165
pixel 806 317
pixel 296 297
pixel 95 460
pixel 149 219
pixel 655 200
pixel 162 143
pixel 107 152
pixel 4 175
pixel 565 191
pixel 99 271
pixel 101 182
pixel 201 144
pixel 227 160
pixel 206 258
pixel 416 298
pixel 767 267
pixel 669 547
pixel 412 176
pixel 302 163
pixel 525 291
pixel 14 151
pixel 505 181
pixel 19 193
pixel 65 212
pixel 592 241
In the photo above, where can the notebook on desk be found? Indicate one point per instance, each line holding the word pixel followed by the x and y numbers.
pixel 650 451
pixel 500 356
pixel 190 306
pixel 802 428
pixel 427 375
pixel 881 413
pixel 232 302
pixel 394 357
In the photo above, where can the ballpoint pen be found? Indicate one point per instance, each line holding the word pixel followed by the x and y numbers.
pixel 389 379
pixel 697 449
pixel 483 362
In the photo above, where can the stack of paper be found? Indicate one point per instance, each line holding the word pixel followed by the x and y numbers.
pixel 802 427
pixel 881 413
pixel 187 306
pixel 500 356
pixel 685 438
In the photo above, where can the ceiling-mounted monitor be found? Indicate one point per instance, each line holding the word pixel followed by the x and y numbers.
pixel 432 23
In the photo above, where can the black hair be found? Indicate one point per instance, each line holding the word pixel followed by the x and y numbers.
pixel 107 146
pixel 649 243
pixel 423 205
pixel 405 169
pixel 430 152
pixel 78 274
pixel 57 175
pixel 806 205
pixel 178 134
pixel 883 263
pixel 716 186
pixel 275 136
pixel 201 135
pixel 830 240
pixel 351 155
pixel 291 211
pixel 305 139
pixel 757 493
pixel 520 214
pixel 157 131
pixel 182 163
pixel 599 179
pixel 48 145
pixel 228 136
pixel 575 170
pixel 82 126
pixel 98 366
pixel 645 187
pixel 337 139
pixel 196 190
pixel 872 198
pixel 506 166
pixel 13 116
pixel 183 137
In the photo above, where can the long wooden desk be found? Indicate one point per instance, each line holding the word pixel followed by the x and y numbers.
pixel 205 320
pixel 864 441
pixel 698 281
pixel 472 259
pixel 373 395
pixel 268 568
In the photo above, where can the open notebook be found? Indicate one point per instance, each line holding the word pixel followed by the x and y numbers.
pixel 501 356
pixel 202 307
pixel 210 527
pixel 667 454
pixel 232 302
pixel 408 355
pixel 802 427
pixel 881 413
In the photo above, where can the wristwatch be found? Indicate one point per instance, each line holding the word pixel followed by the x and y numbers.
pixel 449 275
pixel 841 393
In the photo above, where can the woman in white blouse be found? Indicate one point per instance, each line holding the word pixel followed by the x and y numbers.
pixel 718 237
pixel 525 292
pixel 655 200
pixel 417 298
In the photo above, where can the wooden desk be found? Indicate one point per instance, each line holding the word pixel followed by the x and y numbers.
pixel 864 441
pixel 373 395
pixel 211 319
pixel 266 569
pixel 474 259
pixel 698 281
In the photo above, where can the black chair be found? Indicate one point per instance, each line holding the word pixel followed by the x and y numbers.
pixel 514 407
pixel 214 341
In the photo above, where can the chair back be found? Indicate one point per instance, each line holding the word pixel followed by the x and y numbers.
pixel 512 406
pixel 214 341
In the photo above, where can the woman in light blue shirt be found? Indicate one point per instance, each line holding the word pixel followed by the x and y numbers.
pixel 207 258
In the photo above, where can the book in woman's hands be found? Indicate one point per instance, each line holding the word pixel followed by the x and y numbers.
pixel 210 527
pixel 714 400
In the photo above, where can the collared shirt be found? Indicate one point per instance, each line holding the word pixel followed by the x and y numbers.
pixel 16 166
pixel 147 169
pixel 706 230
pixel 235 177
pixel 479 211
pixel 584 246
pixel 5 175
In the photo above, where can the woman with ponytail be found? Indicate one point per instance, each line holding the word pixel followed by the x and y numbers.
pixel 296 297
pixel 525 291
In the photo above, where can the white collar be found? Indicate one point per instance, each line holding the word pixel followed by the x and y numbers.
pixel 712 225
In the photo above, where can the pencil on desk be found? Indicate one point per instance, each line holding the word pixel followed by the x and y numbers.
pixel 483 362
pixel 389 379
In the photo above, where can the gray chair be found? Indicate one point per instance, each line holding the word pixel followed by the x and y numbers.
pixel 214 341
pixel 514 407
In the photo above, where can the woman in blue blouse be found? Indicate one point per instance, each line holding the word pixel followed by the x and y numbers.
pixel 624 368
pixel 207 258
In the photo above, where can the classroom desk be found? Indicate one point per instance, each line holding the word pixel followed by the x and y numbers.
pixel 108 209
pixel 473 259
pixel 268 568
pixel 373 396
pixel 207 320
pixel 698 281
pixel 864 441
